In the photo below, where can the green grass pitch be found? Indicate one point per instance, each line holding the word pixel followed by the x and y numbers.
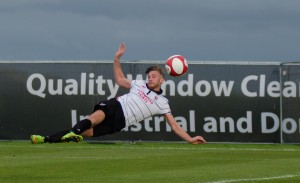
pixel 148 162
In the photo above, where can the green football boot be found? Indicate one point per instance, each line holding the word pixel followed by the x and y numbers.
pixel 37 139
pixel 72 137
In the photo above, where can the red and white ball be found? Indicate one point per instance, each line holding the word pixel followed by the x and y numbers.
pixel 176 65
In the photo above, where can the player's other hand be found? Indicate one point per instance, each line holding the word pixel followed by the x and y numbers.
pixel 121 50
pixel 198 140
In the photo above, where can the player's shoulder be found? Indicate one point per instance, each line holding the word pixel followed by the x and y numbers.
pixel 163 98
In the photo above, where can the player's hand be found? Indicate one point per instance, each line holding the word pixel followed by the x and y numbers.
pixel 121 51
pixel 198 140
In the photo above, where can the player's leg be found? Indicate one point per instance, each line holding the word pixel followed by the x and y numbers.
pixel 83 127
pixel 79 129
pixel 54 138
pixel 92 120
pixel 88 133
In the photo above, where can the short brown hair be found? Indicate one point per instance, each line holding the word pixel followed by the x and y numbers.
pixel 155 68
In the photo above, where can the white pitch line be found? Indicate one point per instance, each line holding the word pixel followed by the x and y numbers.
pixel 254 179
pixel 65 157
pixel 153 148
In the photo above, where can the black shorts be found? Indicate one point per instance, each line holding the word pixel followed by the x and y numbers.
pixel 114 120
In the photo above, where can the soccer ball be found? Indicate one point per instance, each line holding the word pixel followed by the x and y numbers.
pixel 176 65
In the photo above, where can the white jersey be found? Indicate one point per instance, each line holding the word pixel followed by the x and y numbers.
pixel 142 102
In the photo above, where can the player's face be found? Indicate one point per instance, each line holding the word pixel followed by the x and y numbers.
pixel 155 79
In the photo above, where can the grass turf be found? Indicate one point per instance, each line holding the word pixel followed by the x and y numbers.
pixel 148 162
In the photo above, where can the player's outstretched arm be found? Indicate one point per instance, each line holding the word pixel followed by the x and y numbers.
pixel 120 79
pixel 181 133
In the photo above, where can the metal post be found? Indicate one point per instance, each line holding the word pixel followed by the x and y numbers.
pixel 281 75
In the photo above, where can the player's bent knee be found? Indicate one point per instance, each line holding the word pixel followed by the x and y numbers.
pixel 97 117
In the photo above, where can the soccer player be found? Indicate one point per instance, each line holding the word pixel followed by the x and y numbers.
pixel 110 116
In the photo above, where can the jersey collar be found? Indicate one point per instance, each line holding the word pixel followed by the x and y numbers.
pixel 157 92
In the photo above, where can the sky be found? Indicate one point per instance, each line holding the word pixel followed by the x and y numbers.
pixel 200 30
